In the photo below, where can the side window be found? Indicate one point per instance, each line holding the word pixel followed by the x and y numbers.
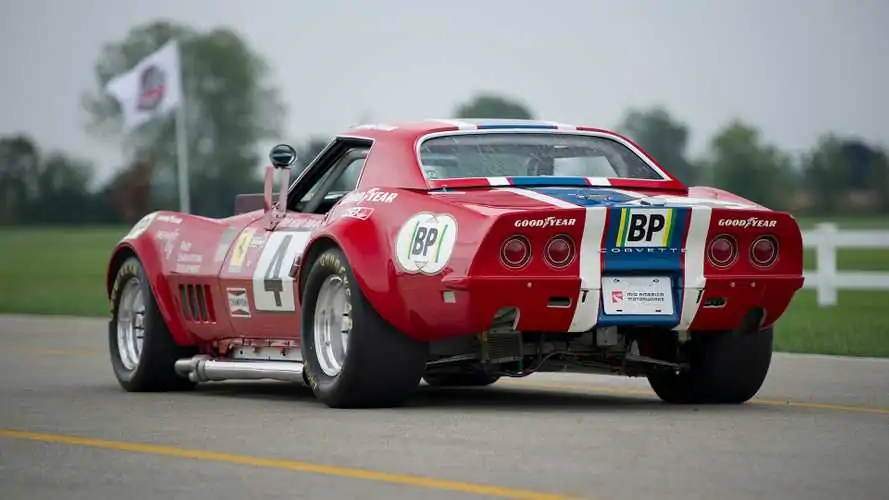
pixel 339 179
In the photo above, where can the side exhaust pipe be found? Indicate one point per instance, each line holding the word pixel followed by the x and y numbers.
pixel 203 368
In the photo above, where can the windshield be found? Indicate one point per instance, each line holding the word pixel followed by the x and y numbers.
pixel 511 154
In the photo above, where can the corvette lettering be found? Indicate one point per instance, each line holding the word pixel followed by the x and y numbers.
pixel 747 223
pixel 545 222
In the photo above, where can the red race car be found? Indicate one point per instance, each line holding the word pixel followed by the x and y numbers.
pixel 458 252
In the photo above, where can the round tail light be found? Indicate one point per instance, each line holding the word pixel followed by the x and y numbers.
pixel 764 251
pixel 516 252
pixel 559 251
pixel 723 251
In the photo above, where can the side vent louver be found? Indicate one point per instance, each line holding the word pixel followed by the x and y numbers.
pixel 196 303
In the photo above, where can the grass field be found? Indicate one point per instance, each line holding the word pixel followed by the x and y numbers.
pixel 62 271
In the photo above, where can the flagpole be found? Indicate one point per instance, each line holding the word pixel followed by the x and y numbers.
pixel 182 157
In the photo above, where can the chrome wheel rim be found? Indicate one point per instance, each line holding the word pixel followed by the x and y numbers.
pixel 130 324
pixel 332 325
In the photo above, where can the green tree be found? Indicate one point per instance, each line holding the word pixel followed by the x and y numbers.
pixel 490 105
pixel 742 163
pixel 38 188
pixel 662 137
pixel 230 108
pixel 837 168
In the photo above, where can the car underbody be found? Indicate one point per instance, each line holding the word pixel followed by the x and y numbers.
pixel 499 352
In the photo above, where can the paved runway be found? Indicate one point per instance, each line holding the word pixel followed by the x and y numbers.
pixel 820 430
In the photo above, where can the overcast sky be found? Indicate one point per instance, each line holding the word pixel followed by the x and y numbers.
pixel 795 68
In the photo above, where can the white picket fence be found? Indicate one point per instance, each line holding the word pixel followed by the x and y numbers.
pixel 826 238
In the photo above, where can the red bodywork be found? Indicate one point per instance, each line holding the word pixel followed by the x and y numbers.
pixel 216 288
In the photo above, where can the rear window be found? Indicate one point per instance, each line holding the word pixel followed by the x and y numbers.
pixel 511 154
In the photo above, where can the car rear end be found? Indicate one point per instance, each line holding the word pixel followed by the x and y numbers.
pixel 660 267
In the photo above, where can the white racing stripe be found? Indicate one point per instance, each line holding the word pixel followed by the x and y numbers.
pixel 586 309
pixel 586 312
pixel 498 181
pixel 537 196
pixel 695 253
pixel 599 181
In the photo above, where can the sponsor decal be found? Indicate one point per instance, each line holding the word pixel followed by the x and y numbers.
pixel 747 223
pixel 140 226
pixel 300 222
pixel 425 243
pixel 168 239
pixel 188 268
pixel 645 227
pixel 224 242
pixel 238 302
pixel 617 296
pixel 362 213
pixel 172 219
pixel 545 222
pixel 242 244
pixel 371 195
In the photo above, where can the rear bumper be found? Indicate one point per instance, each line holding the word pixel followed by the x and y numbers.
pixel 466 305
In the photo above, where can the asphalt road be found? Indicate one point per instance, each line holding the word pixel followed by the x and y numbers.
pixel 67 431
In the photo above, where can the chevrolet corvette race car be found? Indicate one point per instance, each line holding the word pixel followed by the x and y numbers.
pixel 458 252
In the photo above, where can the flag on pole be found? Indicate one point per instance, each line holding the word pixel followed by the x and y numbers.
pixel 151 89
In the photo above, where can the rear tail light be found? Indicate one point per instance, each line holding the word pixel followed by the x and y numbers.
pixel 764 251
pixel 515 252
pixel 559 251
pixel 723 251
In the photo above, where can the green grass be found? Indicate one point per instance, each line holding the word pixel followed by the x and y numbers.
pixel 62 271
pixel 55 271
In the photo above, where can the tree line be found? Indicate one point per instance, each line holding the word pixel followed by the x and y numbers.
pixel 233 108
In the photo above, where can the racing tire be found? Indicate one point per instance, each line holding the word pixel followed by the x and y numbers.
pixel 378 366
pixel 471 379
pixel 150 366
pixel 725 368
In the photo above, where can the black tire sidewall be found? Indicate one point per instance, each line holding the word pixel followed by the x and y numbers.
pixel 330 262
pixel 130 269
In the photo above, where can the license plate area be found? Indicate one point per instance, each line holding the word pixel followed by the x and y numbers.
pixel 637 295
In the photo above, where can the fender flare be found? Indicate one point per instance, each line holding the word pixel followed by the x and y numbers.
pixel 374 270
pixel 148 256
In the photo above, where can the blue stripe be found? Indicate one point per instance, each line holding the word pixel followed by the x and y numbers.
pixel 497 126
pixel 624 260
pixel 536 180
pixel 589 197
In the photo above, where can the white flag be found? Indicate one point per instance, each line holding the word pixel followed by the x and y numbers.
pixel 151 89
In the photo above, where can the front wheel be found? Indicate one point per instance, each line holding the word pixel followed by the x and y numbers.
pixel 142 350
pixel 353 357
pixel 726 368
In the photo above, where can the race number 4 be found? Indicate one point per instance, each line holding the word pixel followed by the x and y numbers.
pixel 272 284
pixel 645 227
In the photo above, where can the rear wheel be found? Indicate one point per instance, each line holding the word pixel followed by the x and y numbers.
pixel 725 368
pixel 353 357
pixel 142 350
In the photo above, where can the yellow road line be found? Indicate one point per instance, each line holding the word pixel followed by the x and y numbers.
pixel 621 391
pixel 291 465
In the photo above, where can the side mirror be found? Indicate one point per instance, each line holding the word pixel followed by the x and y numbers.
pixel 282 157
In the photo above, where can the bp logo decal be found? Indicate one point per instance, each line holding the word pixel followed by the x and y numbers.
pixel 425 243
pixel 152 87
